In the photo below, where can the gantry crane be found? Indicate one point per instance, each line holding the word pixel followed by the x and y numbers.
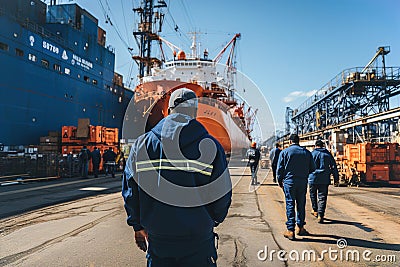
pixel 353 94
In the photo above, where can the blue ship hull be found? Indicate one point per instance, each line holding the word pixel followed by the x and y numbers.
pixel 52 74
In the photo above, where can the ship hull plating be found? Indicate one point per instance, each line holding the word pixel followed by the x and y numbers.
pixel 52 74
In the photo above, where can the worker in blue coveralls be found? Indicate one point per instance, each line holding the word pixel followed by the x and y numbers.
pixel 84 158
pixel 254 155
pixel 295 163
pixel 320 179
pixel 177 188
pixel 274 156
pixel 96 159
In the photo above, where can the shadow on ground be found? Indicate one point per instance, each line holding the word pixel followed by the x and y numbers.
pixel 351 242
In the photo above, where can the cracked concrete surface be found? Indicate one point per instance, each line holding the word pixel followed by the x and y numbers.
pixel 244 230
pixel 92 231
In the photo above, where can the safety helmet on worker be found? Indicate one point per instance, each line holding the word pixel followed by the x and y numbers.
pixel 184 98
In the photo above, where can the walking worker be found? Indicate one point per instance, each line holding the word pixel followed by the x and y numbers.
pixel 109 157
pixel 295 163
pixel 177 188
pixel 320 179
pixel 96 159
pixel 274 156
pixel 84 157
pixel 254 157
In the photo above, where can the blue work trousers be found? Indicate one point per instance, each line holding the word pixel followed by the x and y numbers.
pixel 274 167
pixel 253 169
pixel 85 169
pixel 319 196
pixel 295 195
pixel 204 255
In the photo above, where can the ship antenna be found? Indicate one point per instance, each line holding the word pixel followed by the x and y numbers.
pixel 150 24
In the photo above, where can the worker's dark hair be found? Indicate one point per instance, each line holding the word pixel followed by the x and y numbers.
pixel 277 145
pixel 319 143
pixel 294 138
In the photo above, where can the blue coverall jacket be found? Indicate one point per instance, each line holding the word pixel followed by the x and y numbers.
pixel 162 186
pixel 274 156
pixel 325 166
pixel 294 165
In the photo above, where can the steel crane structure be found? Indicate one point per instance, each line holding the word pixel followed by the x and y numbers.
pixel 147 31
pixel 344 102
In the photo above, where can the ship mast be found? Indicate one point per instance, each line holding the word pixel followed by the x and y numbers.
pixel 150 24
pixel 193 47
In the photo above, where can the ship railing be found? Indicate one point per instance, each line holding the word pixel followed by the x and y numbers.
pixel 349 76
pixel 36 28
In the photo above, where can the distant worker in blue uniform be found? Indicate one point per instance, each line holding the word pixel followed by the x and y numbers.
pixel 274 156
pixel 177 188
pixel 109 163
pixel 295 163
pixel 96 159
pixel 254 155
pixel 84 157
pixel 320 179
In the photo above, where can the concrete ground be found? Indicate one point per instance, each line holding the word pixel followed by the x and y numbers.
pixel 361 229
pixel 252 234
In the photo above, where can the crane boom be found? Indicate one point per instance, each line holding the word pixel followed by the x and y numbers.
pixel 170 45
pixel 219 56
pixel 382 50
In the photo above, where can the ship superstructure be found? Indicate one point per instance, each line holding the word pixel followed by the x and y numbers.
pixel 220 111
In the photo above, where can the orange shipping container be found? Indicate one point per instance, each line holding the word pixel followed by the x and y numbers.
pixel 96 134
pixel 395 172
pixel 69 134
pixel 377 173
pixel 111 136
pixel 381 153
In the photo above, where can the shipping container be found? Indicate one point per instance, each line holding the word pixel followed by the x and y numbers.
pixel 370 162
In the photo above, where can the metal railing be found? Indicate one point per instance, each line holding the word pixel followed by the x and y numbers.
pixel 33 166
pixel 36 28
pixel 350 76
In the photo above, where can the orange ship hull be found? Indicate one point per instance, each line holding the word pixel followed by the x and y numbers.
pixel 151 105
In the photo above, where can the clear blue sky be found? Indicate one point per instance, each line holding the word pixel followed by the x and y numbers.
pixel 288 48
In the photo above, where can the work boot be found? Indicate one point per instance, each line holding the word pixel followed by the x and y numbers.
pixel 320 219
pixel 289 235
pixel 301 231
pixel 314 213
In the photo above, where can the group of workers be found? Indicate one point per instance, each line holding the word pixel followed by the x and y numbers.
pixel 296 167
pixel 109 161
pixel 177 187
